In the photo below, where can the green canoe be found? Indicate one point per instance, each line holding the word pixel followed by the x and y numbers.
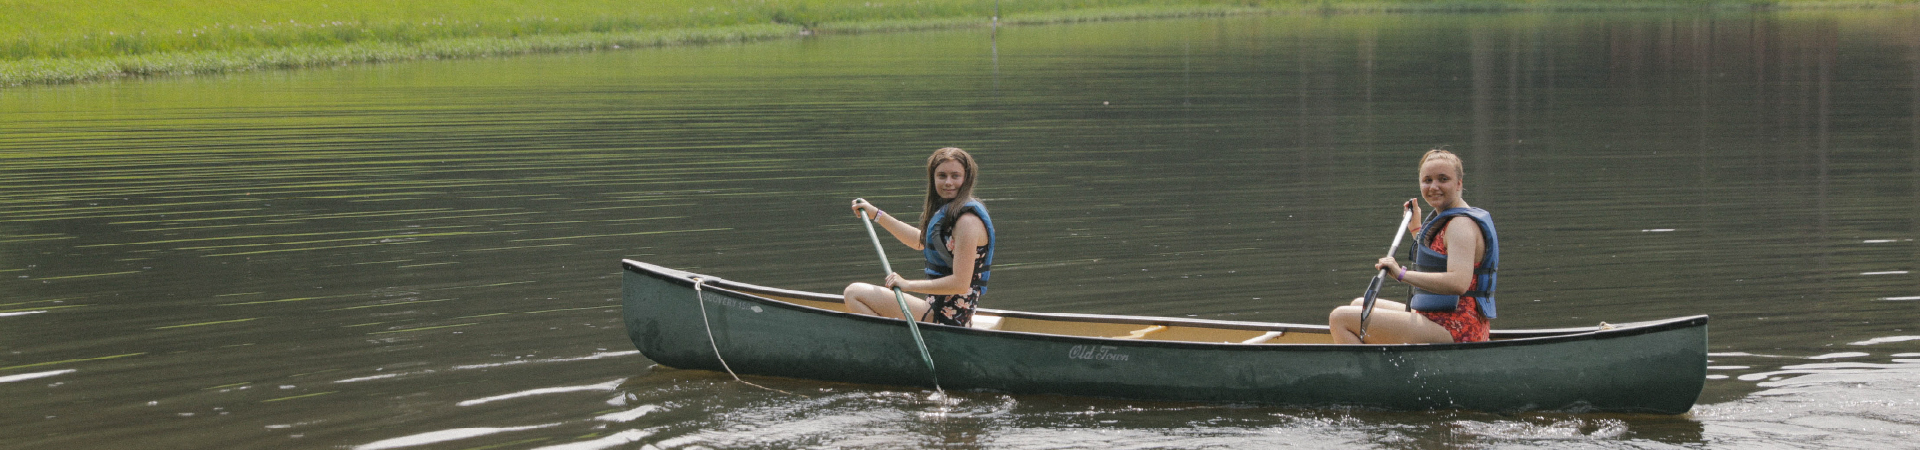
pixel 1652 367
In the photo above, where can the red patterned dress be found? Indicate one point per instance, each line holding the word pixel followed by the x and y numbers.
pixel 1465 323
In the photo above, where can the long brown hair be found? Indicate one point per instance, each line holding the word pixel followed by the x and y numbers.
pixel 972 170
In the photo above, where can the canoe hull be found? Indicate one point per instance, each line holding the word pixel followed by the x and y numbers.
pixel 1658 368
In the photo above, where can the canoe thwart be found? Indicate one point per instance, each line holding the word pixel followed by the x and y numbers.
pixel 1264 337
pixel 986 322
pixel 1143 332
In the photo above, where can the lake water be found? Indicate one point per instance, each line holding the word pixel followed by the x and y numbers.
pixel 425 255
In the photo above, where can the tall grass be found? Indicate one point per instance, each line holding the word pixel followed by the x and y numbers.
pixel 67 70
pixel 52 41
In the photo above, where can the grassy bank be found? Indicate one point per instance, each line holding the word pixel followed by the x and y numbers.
pixel 59 41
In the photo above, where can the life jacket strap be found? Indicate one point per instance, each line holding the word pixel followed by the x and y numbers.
pixel 946 270
pixel 1477 293
pixel 1476 270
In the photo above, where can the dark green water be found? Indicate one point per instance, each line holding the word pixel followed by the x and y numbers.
pixel 425 255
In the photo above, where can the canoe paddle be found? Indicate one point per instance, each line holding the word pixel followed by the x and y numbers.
pixel 900 297
pixel 1373 288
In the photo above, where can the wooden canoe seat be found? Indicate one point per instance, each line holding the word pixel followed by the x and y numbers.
pixel 1264 337
pixel 1143 332
pixel 986 322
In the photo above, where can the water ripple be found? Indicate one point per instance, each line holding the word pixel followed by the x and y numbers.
pixel 35 375
pixel 607 386
pixel 435 437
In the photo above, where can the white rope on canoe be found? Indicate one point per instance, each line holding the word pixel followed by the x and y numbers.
pixel 700 295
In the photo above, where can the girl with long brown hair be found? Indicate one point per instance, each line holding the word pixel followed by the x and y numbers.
pixel 954 234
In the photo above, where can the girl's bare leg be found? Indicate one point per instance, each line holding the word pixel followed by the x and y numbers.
pixel 1390 323
pixel 872 300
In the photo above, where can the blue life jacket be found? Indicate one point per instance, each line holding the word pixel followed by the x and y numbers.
pixel 940 230
pixel 1427 260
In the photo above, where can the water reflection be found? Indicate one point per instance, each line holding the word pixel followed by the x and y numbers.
pixel 35 375
pixel 862 418
pixel 435 437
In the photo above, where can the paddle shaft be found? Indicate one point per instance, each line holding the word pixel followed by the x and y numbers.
pixel 905 312
pixel 1373 287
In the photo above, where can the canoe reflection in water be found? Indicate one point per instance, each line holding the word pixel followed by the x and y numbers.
pixel 1650 367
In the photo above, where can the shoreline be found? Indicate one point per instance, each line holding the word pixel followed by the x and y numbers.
pixel 54 71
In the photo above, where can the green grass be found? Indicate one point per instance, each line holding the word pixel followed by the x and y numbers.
pixel 59 41
pixel 67 70
pixel 71 29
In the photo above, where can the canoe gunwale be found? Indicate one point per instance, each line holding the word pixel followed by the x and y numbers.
pixel 745 291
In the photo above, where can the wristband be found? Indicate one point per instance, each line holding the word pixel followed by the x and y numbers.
pixel 876 217
pixel 1402 277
